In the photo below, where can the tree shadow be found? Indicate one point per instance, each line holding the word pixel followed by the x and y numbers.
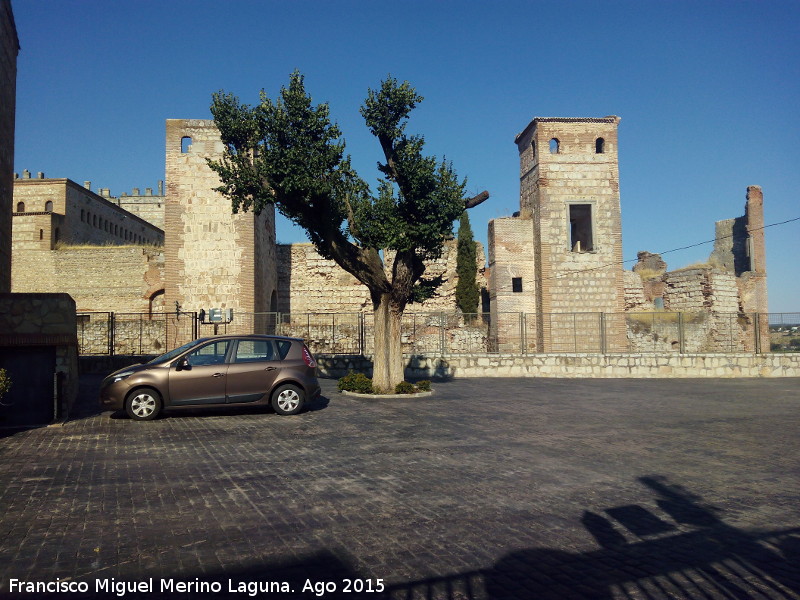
pixel 690 552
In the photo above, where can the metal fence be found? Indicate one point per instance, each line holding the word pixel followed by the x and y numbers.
pixel 112 333
pixel 439 334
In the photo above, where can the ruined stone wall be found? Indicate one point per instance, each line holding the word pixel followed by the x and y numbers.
pixel 109 278
pixel 9 48
pixel 309 283
pixel 701 289
pixel 635 299
pixel 214 259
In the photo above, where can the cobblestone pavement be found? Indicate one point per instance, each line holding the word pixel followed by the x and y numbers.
pixel 499 488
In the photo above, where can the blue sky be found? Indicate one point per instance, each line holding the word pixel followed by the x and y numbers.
pixel 708 93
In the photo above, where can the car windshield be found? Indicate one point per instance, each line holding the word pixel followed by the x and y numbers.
pixel 173 353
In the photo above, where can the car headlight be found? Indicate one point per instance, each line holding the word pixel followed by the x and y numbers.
pixel 121 376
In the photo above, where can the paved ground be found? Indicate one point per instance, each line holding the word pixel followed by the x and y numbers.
pixel 501 488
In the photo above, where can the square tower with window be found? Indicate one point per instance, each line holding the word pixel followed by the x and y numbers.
pixel 570 215
pixel 214 258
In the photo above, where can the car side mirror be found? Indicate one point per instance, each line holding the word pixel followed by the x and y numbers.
pixel 183 364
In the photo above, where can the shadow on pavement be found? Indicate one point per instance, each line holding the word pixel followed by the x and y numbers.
pixel 694 554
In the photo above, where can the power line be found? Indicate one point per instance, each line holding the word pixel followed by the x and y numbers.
pixel 614 264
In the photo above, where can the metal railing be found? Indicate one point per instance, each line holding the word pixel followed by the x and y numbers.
pixel 440 334
pixel 113 333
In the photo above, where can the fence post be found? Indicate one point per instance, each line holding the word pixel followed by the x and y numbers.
pixel 361 346
pixel 522 332
pixel 681 334
pixel 441 334
pixel 757 324
pixel 414 330
pixel 111 326
pixel 575 332
pixel 603 341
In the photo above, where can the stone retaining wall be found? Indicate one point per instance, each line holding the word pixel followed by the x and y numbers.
pixel 580 365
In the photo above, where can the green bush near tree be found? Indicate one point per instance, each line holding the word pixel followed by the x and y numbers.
pixel 355 382
pixel 5 383
pixel 361 384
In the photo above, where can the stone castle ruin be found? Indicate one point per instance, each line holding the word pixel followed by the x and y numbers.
pixel 554 282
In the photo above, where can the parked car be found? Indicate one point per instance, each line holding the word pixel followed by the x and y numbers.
pixel 217 371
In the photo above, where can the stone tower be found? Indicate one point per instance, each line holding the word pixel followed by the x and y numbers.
pixel 214 259
pixel 9 48
pixel 563 253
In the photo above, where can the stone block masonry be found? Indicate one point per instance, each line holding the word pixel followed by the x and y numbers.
pixel 109 278
pixel 308 283
pixel 580 365
pixel 38 320
pixel 77 216
pixel 214 259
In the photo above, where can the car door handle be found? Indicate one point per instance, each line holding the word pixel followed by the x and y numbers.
pixel 270 368
pixel 218 375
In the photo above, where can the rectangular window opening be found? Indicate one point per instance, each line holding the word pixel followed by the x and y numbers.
pixel 580 227
pixel 516 284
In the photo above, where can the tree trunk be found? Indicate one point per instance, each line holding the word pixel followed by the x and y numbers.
pixel 388 366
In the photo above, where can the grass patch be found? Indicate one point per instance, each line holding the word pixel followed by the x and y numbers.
pixel 649 274
pixel 107 245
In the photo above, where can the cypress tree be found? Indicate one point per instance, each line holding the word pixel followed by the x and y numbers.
pixel 467 293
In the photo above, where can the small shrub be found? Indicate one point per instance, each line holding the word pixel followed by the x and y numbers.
pixel 355 382
pixel 404 388
pixel 424 385
pixel 5 383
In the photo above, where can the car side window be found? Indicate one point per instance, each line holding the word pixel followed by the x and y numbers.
pixel 210 354
pixel 283 347
pixel 254 351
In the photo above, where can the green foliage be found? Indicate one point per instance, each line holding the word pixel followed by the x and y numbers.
pixel 5 383
pixel 288 152
pixel 405 388
pixel 467 293
pixel 361 384
pixel 355 382
pixel 425 289
pixel 424 385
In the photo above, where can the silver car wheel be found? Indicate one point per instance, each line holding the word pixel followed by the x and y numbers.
pixel 288 400
pixel 143 405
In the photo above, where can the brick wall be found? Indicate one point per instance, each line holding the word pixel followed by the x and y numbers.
pixel 568 238
pixel 214 258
